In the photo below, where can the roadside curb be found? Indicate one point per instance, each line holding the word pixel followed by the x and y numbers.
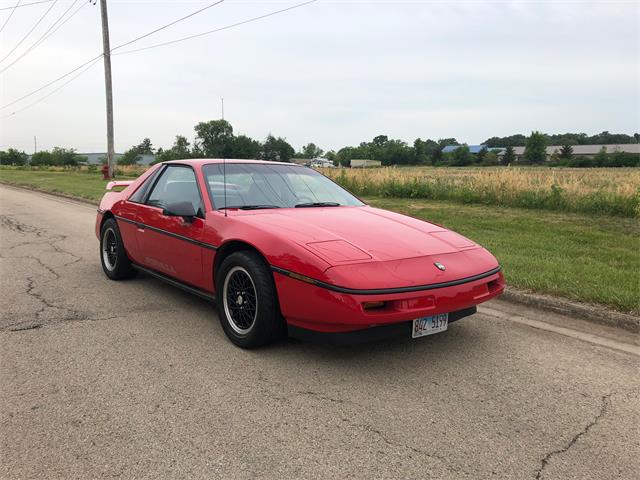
pixel 592 313
pixel 583 311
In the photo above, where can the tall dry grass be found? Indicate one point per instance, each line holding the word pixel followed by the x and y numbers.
pixel 609 191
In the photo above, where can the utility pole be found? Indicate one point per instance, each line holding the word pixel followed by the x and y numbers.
pixel 35 144
pixel 107 84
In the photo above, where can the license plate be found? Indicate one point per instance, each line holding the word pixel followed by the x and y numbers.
pixel 429 325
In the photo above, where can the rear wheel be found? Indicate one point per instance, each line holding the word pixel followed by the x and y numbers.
pixel 247 302
pixel 114 260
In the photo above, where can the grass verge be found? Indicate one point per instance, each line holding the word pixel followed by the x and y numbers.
pixel 586 258
pixel 89 186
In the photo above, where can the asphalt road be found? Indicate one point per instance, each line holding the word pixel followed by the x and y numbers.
pixel 135 379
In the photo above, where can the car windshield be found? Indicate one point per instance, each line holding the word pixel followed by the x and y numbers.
pixel 264 186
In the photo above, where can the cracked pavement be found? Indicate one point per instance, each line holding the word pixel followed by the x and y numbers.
pixel 135 379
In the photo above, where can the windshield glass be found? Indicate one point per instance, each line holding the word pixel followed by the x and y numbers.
pixel 254 185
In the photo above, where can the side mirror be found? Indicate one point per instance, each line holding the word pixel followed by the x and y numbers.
pixel 180 209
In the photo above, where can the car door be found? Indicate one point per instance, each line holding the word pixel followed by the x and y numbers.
pixel 171 245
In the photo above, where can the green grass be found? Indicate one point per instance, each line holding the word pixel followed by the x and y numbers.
pixel 89 186
pixel 587 258
pixel 592 259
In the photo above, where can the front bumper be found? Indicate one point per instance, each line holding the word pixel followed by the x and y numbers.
pixel 312 307
pixel 372 334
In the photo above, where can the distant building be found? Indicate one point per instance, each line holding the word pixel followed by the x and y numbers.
pixel 585 150
pixel 360 163
pixel 321 162
pixel 97 158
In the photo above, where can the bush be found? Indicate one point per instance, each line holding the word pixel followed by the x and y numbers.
pixel 13 157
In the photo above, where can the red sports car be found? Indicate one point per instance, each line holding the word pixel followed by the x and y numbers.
pixel 287 251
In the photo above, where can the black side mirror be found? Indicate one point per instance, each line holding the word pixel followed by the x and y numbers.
pixel 180 209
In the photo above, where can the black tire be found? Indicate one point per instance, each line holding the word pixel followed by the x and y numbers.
pixel 248 320
pixel 113 257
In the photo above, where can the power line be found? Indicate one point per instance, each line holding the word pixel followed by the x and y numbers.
pixel 54 90
pixel 158 45
pixel 89 61
pixel 167 25
pixel 26 4
pixel 30 31
pixel 65 20
pixel 50 83
pixel 254 19
pixel 10 15
pixel 44 35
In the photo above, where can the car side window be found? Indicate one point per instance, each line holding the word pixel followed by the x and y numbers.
pixel 139 195
pixel 176 184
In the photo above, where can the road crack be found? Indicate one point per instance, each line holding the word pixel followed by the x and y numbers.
pixel 604 406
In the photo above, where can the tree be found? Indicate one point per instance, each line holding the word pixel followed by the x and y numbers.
pixel 380 140
pixel 179 150
pixel 517 140
pixel 395 152
pixel 482 154
pixel 490 159
pixel 246 147
pixel 536 148
pixel 41 158
pixel 145 147
pixel 13 157
pixel 509 155
pixel 426 151
pixel 460 157
pixel 602 158
pixel 566 152
pixel 215 138
pixel 277 149
pixel 310 150
pixel 66 157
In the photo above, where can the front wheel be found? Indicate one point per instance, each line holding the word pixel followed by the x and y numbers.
pixel 114 260
pixel 247 301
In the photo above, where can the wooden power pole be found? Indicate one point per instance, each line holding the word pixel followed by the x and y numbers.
pixel 107 84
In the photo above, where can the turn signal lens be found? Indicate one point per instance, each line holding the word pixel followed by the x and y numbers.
pixel 373 305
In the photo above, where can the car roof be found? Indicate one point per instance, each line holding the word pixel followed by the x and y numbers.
pixel 206 161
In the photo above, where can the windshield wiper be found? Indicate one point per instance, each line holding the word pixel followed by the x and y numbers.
pixel 251 207
pixel 318 204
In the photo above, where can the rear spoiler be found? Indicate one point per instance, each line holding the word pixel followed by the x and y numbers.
pixel 119 183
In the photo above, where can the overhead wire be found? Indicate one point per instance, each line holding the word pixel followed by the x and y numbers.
pixel 26 4
pixel 60 87
pixel 43 37
pixel 94 59
pixel 168 25
pixel 30 31
pixel 50 83
pixel 227 27
pixel 10 15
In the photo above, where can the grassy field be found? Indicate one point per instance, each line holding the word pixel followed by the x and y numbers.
pixel 604 191
pixel 81 184
pixel 585 258
pixel 589 258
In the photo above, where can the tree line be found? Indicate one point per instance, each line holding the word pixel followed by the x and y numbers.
pixel 216 139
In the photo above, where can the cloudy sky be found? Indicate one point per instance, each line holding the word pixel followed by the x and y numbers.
pixel 332 72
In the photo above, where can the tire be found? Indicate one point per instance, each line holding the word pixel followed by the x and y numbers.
pixel 113 257
pixel 247 301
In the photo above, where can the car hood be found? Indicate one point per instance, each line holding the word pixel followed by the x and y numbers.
pixel 344 235
pixel 367 247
